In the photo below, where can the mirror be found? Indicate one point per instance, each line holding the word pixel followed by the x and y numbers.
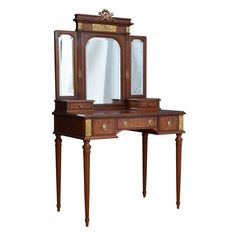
pixel 103 70
pixel 66 70
pixel 136 67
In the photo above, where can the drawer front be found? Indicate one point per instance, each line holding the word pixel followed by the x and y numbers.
pixel 169 123
pixel 137 123
pixel 80 106
pixel 104 126
pixel 148 104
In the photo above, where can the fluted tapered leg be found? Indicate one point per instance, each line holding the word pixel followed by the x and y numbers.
pixel 145 139
pixel 58 169
pixel 178 167
pixel 86 153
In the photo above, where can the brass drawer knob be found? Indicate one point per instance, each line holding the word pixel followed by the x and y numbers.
pixel 126 123
pixel 169 123
pixel 104 127
pixel 150 122
pixel 150 104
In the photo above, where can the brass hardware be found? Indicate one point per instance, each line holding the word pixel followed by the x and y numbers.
pixel 106 28
pixel 127 74
pixel 105 15
pixel 104 127
pixel 79 26
pixel 169 123
pixel 79 74
pixel 150 104
pixel 126 123
pixel 127 29
pixel 81 106
pixel 150 122
pixel 181 122
pixel 88 127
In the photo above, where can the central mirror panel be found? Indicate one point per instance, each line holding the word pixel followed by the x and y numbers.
pixel 103 76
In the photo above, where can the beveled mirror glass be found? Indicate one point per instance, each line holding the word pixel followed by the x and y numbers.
pixel 66 67
pixel 136 67
pixel 103 77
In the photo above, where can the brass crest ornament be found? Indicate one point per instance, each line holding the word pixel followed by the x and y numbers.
pixel 105 15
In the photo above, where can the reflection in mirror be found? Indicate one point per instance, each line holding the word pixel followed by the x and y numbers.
pixel 102 70
pixel 66 70
pixel 136 67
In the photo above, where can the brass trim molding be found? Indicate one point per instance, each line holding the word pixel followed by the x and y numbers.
pixel 127 74
pixel 79 74
pixel 79 26
pixel 88 127
pixel 104 28
pixel 181 122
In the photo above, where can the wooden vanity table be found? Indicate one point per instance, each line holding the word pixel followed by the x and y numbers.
pixel 101 90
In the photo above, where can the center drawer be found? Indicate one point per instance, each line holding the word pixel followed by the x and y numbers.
pixel 137 123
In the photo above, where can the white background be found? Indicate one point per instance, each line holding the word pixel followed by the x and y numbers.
pixel 191 67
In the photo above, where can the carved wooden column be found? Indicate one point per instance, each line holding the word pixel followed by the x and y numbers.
pixel 86 153
pixel 145 139
pixel 58 169
pixel 178 167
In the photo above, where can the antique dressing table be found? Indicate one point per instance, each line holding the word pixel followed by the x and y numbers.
pixel 101 90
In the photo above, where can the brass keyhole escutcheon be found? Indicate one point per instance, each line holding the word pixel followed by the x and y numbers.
pixel 169 123
pixel 125 123
pixel 150 122
pixel 104 127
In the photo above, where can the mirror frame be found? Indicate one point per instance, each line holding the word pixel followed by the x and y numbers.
pixel 87 27
pixel 144 40
pixel 120 39
pixel 73 34
pixel 118 46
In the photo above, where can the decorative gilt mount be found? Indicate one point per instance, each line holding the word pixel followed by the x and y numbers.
pixel 105 15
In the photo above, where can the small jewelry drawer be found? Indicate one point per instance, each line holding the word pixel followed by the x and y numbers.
pixel 144 104
pixel 168 123
pixel 80 106
pixel 74 105
pixel 104 126
pixel 137 123
pixel 149 103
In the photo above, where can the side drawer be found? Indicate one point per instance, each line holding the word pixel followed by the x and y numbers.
pixel 168 123
pixel 137 123
pixel 104 126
